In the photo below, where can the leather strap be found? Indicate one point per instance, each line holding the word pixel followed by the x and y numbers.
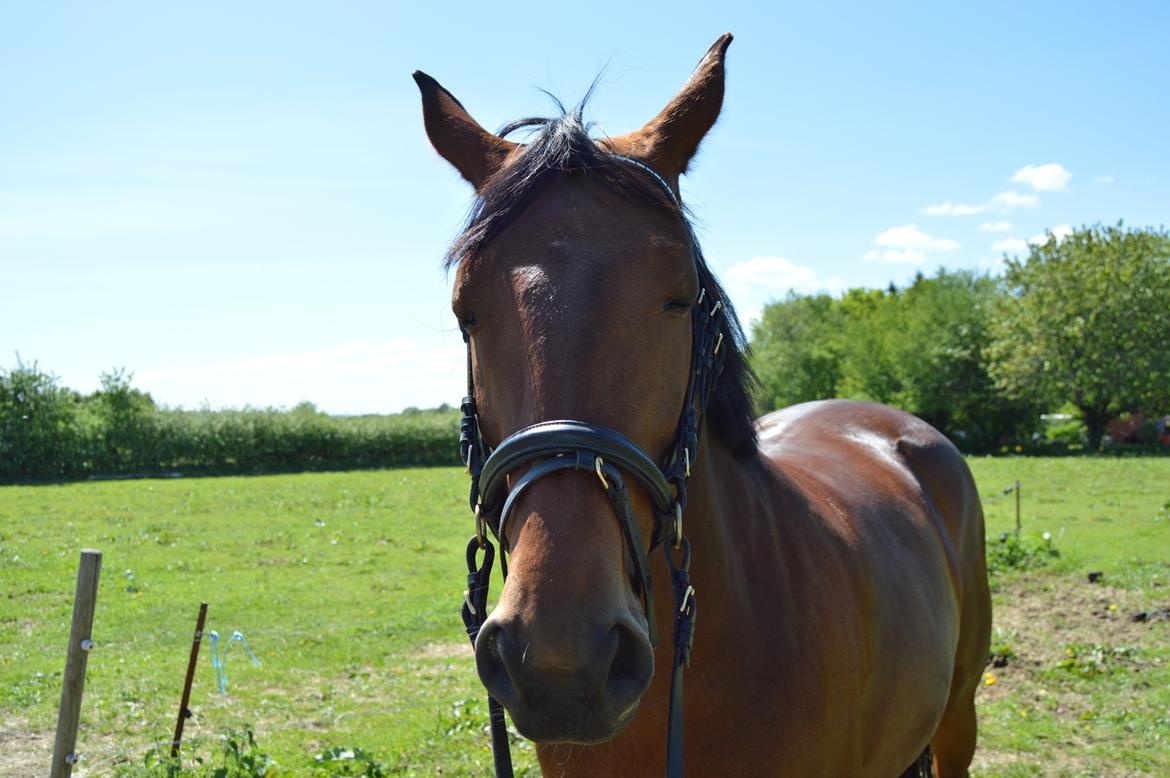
pixel 566 437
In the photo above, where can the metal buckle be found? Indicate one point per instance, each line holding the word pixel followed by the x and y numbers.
pixel 479 535
pixel 678 529
pixel 598 463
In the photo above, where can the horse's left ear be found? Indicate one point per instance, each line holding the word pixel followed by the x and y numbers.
pixel 669 140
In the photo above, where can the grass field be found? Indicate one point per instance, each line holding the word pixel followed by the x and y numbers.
pixel 347 587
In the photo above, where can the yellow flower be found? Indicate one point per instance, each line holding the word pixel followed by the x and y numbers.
pixel 1112 606
pixel 989 679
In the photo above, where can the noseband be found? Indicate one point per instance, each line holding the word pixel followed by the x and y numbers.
pixel 556 445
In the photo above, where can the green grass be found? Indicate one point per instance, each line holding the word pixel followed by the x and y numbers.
pixel 1104 514
pixel 347 586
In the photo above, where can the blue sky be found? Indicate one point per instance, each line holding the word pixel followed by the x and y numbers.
pixel 237 202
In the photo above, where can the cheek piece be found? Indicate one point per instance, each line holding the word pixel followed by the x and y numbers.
pixel 566 444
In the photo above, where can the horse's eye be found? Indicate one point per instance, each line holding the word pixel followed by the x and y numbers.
pixel 677 306
pixel 468 321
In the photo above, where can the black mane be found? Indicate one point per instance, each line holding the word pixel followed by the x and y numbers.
pixel 561 147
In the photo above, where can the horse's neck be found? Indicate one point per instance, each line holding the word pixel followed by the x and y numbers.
pixel 739 542
pixel 733 500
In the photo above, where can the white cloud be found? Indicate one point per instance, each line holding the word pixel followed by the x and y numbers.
pixel 1060 232
pixel 953 209
pixel 1043 178
pixel 1105 179
pixel 995 226
pixel 906 245
pixel 894 257
pixel 1005 201
pixel 757 281
pixel 908 236
pixel 1010 245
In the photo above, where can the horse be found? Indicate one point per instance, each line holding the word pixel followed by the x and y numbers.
pixel 838 546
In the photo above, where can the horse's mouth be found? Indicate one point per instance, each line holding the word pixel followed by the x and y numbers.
pixel 579 724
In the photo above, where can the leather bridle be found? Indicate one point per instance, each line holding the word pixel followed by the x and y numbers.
pixel 552 446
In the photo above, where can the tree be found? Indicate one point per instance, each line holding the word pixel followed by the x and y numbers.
pixel 922 348
pixel 1086 320
pixel 38 425
pixel 870 335
pixel 796 350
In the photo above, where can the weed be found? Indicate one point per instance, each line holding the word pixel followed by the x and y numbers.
pixel 1000 655
pixel 1090 660
pixel 238 757
pixel 1012 553
pixel 340 760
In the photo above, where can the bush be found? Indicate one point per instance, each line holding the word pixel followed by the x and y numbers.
pixel 50 433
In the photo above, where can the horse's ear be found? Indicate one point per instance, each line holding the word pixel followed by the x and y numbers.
pixel 476 153
pixel 670 139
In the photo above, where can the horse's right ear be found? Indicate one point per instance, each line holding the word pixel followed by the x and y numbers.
pixel 476 153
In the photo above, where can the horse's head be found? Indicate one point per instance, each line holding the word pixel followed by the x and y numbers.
pixel 576 281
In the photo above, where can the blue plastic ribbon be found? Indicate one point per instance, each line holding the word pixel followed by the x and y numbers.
pixel 219 661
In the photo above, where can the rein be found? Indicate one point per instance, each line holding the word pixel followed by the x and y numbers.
pixel 565 444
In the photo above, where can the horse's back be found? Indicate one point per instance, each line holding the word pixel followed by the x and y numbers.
pixel 903 514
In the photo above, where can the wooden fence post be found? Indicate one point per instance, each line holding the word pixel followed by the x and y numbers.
pixel 184 711
pixel 73 683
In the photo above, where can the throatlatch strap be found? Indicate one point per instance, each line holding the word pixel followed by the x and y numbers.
pixel 474 615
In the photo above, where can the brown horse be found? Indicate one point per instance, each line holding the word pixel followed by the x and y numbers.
pixel 838 546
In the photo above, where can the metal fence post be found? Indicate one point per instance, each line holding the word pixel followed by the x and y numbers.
pixel 184 711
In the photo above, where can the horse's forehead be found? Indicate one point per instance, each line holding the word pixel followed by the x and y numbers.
pixel 574 234
pixel 579 213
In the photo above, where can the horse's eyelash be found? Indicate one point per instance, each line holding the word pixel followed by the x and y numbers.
pixel 678 305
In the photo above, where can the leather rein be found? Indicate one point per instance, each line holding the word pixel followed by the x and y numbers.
pixel 557 445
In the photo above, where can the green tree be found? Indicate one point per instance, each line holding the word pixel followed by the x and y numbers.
pixel 38 425
pixel 873 327
pixel 1086 320
pixel 126 435
pixel 922 348
pixel 796 350
pixel 940 356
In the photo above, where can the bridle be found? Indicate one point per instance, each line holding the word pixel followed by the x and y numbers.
pixel 552 446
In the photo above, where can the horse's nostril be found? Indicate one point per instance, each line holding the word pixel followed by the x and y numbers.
pixel 492 671
pixel 632 667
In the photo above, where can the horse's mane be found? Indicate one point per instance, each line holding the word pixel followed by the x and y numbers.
pixel 562 146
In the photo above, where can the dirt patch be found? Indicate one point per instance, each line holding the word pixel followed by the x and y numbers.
pixel 1037 616
pixel 1068 659
pixel 458 650
pixel 22 751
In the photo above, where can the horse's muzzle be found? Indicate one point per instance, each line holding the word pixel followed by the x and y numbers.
pixel 566 689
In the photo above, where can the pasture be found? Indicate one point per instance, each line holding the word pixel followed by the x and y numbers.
pixel 347 586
